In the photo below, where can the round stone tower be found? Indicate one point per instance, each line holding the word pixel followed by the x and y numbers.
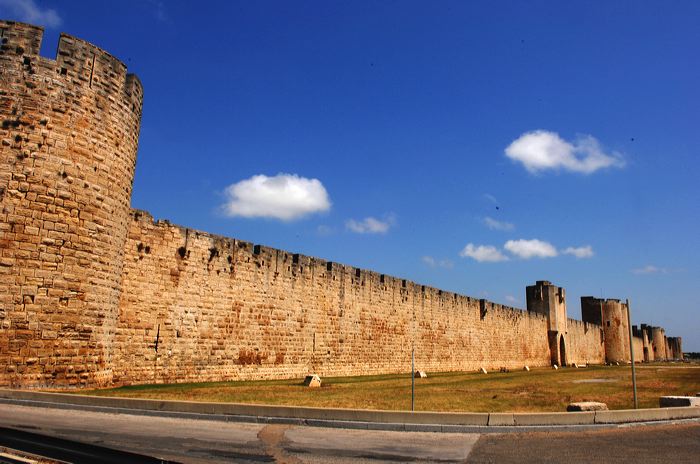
pixel 658 338
pixel 69 137
pixel 611 315
pixel 616 330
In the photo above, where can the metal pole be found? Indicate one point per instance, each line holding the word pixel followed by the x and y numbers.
pixel 413 379
pixel 634 373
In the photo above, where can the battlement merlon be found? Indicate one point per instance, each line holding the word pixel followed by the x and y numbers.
pixel 80 61
pixel 20 38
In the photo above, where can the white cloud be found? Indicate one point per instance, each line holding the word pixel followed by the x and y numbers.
pixel 649 269
pixel 370 225
pixel 523 249
pixel 28 11
pixel 511 299
pixel 284 196
pixel 482 253
pixel 579 252
pixel 432 262
pixel 494 224
pixel 542 150
pixel 527 249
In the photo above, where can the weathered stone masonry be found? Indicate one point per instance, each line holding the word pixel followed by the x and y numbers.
pixel 93 293
pixel 228 309
pixel 69 133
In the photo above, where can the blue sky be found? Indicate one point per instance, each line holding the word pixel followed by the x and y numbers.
pixel 472 146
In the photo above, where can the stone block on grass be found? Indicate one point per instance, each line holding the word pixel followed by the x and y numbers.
pixel 312 381
pixel 679 401
pixel 420 375
pixel 587 406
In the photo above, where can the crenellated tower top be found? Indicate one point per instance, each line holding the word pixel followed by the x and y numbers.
pixel 77 61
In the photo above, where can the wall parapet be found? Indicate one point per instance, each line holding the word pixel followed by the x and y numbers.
pixel 297 264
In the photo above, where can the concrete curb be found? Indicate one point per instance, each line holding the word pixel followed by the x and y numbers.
pixel 348 418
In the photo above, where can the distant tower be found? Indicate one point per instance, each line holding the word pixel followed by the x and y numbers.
pixel 643 334
pixel 69 133
pixel 658 339
pixel 550 301
pixel 675 345
pixel 648 342
pixel 611 314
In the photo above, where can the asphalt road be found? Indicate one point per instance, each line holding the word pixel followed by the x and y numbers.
pixel 199 441
pixel 665 444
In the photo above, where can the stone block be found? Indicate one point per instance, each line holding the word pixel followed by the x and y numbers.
pixel 420 375
pixel 483 371
pixel 555 367
pixel 554 418
pixel 312 381
pixel 631 415
pixel 678 401
pixel 526 369
pixel 501 419
pixel 587 406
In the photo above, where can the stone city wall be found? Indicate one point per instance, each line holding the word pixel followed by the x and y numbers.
pixel 585 343
pixel 93 293
pixel 638 349
pixel 227 309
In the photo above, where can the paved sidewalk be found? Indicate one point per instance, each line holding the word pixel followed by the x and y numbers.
pixel 201 441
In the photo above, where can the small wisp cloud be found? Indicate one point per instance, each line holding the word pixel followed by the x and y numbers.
pixel 579 252
pixel 435 263
pixel 28 11
pixel 542 150
pixel 534 248
pixel 649 269
pixel 522 249
pixel 495 224
pixel 483 253
pixel 370 225
pixel 285 197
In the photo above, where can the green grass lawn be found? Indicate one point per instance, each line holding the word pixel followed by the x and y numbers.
pixel 537 390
